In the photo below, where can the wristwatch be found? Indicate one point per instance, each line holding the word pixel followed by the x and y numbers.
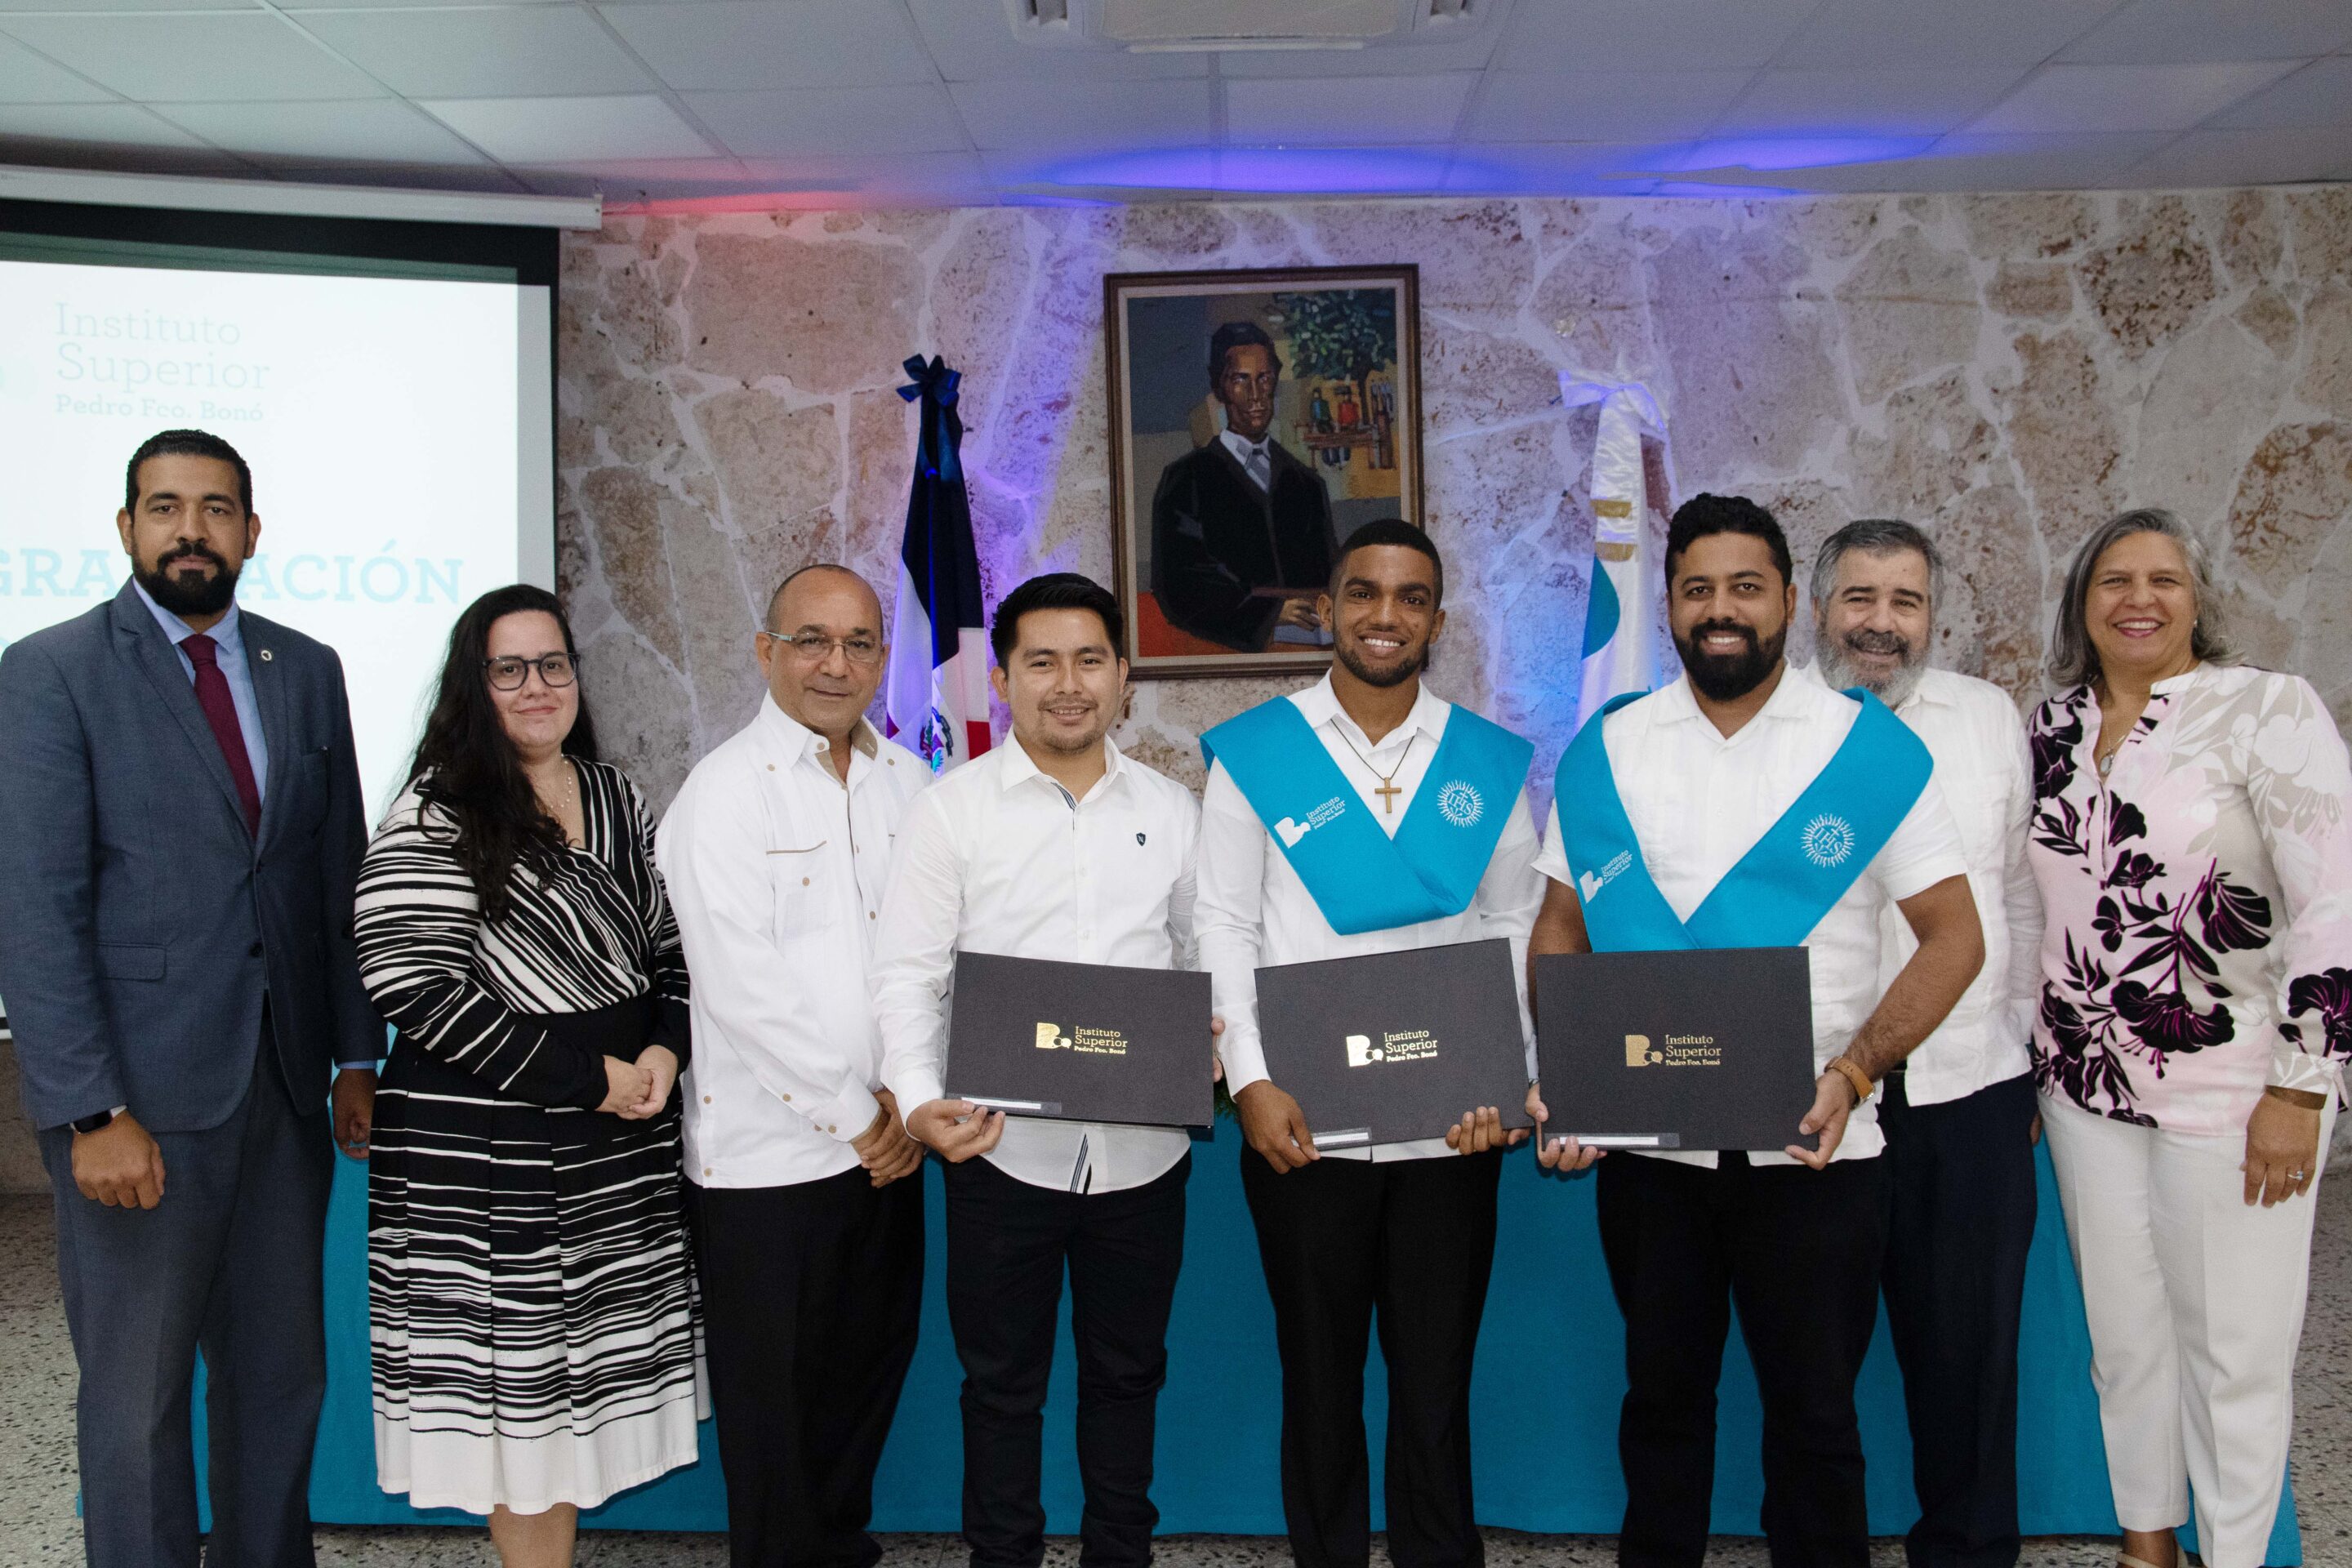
pixel 1851 1072
pixel 96 1119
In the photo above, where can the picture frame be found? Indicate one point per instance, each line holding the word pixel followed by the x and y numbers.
pixel 1220 546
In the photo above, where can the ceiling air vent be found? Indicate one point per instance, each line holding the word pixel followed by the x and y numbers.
pixel 1223 24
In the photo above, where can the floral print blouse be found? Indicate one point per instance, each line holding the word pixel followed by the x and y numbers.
pixel 2199 939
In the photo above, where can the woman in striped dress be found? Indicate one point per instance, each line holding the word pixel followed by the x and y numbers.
pixel 530 1308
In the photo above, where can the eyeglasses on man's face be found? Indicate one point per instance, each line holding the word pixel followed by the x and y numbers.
pixel 813 648
pixel 509 674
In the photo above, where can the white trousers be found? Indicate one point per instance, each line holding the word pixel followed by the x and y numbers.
pixel 2195 1303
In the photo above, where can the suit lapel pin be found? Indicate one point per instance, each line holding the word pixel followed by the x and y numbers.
pixel 265 655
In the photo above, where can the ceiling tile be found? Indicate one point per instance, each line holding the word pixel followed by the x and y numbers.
pixel 2250 157
pixel 142 5
pixel 972 40
pixel 1367 111
pixel 1562 168
pixel 371 130
pixel 516 51
pixel 27 78
pixel 115 124
pixel 1650 35
pixel 1922 34
pixel 2158 32
pixel 2318 94
pixel 720 185
pixel 1602 106
pixel 869 120
pixel 1864 103
pixel 1085 116
pixel 773 43
pixel 564 130
pixel 192 58
pixel 2125 97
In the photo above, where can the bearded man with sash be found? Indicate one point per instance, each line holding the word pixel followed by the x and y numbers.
pixel 1743 806
pixel 1366 816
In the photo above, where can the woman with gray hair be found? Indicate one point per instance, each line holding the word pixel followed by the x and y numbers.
pixel 2190 840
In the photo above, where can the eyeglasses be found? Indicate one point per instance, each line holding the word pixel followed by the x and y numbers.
pixel 814 647
pixel 509 674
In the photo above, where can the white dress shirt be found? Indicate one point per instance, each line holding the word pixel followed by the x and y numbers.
pixel 1256 458
pixel 1974 733
pixel 1699 800
pixel 775 872
pixel 1255 911
pixel 998 857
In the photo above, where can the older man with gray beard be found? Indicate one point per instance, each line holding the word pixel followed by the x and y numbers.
pixel 1959 1114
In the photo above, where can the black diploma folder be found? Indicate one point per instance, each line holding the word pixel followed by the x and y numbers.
pixel 1080 1042
pixel 1393 1045
pixel 1696 1048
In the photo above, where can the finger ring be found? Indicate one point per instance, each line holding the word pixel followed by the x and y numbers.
pixel 2295 1175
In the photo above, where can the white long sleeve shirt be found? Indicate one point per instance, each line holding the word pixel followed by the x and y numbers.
pixel 1698 800
pixel 1255 911
pixel 775 870
pixel 998 857
pixel 1978 739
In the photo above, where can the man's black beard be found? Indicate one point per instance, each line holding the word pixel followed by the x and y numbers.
pixel 189 595
pixel 1385 678
pixel 1721 679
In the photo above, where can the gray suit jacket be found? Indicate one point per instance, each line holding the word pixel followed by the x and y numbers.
pixel 140 924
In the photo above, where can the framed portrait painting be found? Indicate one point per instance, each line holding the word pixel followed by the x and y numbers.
pixel 1256 418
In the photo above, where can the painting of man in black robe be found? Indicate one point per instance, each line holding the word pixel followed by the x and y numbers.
pixel 1241 538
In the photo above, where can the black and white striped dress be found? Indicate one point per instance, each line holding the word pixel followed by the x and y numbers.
pixel 530 1304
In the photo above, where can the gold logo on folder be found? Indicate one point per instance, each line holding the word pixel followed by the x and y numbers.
pixel 1396 1046
pixel 1681 1051
pixel 1087 1042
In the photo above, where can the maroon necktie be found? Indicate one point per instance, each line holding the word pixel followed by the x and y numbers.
pixel 220 713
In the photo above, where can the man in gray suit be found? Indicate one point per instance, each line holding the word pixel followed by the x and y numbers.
pixel 180 829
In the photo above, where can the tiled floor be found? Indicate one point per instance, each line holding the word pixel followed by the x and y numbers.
pixel 37 1458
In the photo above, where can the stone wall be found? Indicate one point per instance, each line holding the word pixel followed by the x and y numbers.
pixel 2005 369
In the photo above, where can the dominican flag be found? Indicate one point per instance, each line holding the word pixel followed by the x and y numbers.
pixel 1622 614
pixel 937 696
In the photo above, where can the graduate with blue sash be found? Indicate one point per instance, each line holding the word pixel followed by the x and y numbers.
pixel 1364 817
pixel 1745 805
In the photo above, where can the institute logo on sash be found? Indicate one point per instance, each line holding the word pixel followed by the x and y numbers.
pixel 1290 830
pixel 1589 883
pixel 1395 1046
pixel 1828 841
pixel 1459 802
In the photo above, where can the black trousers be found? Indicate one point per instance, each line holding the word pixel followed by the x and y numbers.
pixel 1799 1252
pixel 1008 1243
pixel 1412 1240
pixel 1963 1220
pixel 230 1261
pixel 811 1295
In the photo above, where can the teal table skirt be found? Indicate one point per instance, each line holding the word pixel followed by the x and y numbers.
pixel 1550 1375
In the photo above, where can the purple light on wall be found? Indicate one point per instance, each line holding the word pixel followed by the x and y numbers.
pixel 1268 171
pixel 1771 153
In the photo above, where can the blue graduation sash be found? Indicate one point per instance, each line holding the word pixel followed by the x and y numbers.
pixel 1785 883
pixel 1361 877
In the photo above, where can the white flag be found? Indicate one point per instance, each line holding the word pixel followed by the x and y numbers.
pixel 1621 616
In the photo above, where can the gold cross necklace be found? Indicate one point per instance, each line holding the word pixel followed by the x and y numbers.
pixel 1388 790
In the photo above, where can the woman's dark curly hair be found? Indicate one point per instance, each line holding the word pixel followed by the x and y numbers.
pixel 466 766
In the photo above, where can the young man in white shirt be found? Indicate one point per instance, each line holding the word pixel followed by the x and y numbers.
pixel 1405 1230
pixel 1055 846
pixel 1708 771
pixel 1958 1113
pixel 808 1230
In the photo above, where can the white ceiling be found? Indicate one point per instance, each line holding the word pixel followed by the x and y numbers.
pixel 891 101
